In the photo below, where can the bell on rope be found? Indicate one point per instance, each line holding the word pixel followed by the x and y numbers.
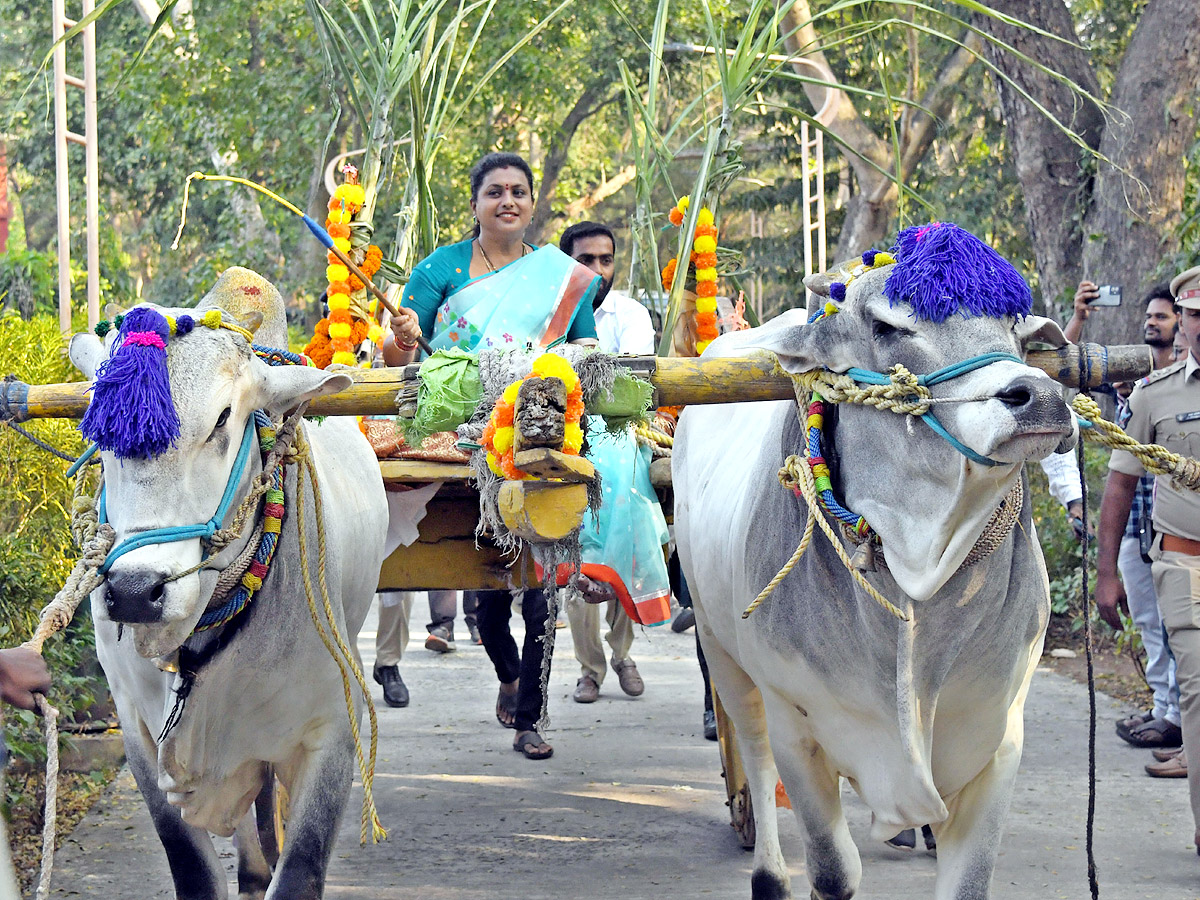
pixel 864 557
pixel 169 662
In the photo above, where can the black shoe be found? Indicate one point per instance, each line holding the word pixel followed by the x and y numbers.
pixel 684 620
pixel 440 639
pixel 905 840
pixel 394 692
pixel 710 725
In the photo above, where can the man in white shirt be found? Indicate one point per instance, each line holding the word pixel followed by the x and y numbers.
pixel 623 326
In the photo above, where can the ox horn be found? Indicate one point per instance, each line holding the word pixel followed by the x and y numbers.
pixel 251 320
pixel 112 310
pixel 819 282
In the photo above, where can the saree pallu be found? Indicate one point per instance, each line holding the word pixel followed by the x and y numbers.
pixel 532 300
pixel 622 543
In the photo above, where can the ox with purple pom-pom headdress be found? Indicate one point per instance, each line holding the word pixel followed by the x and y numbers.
pixel 942 269
pixel 131 412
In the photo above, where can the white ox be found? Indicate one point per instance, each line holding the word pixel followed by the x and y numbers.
pixel 924 717
pixel 271 697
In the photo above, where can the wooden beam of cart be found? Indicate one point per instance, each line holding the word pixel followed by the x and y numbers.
pixel 677 382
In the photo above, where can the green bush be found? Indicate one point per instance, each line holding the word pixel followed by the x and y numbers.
pixel 28 282
pixel 36 549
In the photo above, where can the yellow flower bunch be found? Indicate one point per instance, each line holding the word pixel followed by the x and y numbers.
pixel 499 434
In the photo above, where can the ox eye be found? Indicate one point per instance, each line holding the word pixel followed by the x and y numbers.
pixel 223 417
pixel 882 329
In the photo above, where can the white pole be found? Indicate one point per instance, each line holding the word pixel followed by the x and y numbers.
pixel 92 169
pixel 60 170
pixel 819 162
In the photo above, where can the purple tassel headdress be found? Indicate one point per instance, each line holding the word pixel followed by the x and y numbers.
pixel 942 269
pixel 131 412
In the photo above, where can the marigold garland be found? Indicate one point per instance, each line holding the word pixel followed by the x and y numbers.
pixel 338 335
pixel 702 265
pixel 498 436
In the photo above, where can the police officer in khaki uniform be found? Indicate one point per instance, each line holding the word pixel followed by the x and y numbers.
pixel 1165 410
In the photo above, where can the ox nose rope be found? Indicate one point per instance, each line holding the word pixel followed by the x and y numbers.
pixel 947 373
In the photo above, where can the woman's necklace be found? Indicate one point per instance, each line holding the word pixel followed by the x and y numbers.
pixel 487 259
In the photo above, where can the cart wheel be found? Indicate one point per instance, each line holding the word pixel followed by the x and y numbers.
pixel 737 790
pixel 271 815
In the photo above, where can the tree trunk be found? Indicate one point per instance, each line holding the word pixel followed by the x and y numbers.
pixel 871 213
pixel 1134 212
pixel 556 157
pixel 1048 162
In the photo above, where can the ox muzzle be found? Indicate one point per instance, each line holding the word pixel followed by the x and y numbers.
pixel 1035 403
pixel 135 597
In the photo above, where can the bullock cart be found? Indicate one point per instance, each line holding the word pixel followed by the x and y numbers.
pixel 446 554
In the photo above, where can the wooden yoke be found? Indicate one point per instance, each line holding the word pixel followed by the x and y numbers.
pixel 677 382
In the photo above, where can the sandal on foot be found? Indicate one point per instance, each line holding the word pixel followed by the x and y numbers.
pixel 506 705
pixel 530 743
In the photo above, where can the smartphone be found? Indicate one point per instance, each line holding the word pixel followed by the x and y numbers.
pixel 1110 295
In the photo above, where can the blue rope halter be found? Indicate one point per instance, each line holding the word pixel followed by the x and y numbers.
pixel 947 373
pixel 272 356
pixel 173 533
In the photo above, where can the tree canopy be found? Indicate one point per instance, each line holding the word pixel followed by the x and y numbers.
pixel 1072 148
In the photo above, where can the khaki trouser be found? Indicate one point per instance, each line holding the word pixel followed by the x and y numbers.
pixel 585 633
pixel 392 635
pixel 1177 584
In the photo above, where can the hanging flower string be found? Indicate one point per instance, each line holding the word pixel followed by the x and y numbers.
pixel 702 267
pixel 351 318
pixel 499 434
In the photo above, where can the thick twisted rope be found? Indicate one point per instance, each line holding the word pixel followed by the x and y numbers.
pixel 95 541
pixel 1184 471
pixel 901 395
pixel 796 475
pixel 371 827
pixel 653 436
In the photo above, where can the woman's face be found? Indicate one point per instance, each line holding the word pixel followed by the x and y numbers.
pixel 504 205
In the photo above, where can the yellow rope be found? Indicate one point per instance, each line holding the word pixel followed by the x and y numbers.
pixel 653 435
pixel 202 176
pixel 371 826
pixel 796 474
pixel 1184 471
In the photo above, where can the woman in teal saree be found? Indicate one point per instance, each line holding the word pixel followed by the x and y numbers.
pixel 495 290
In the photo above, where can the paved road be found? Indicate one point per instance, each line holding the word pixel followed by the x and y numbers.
pixel 632 806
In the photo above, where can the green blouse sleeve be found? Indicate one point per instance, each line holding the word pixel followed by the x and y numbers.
pixel 433 279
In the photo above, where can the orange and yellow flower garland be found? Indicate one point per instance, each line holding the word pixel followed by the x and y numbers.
pixel 498 436
pixel 703 262
pixel 336 337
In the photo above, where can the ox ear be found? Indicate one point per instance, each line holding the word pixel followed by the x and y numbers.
pixel 799 345
pixel 86 352
pixel 285 387
pixel 1035 329
pixel 819 283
